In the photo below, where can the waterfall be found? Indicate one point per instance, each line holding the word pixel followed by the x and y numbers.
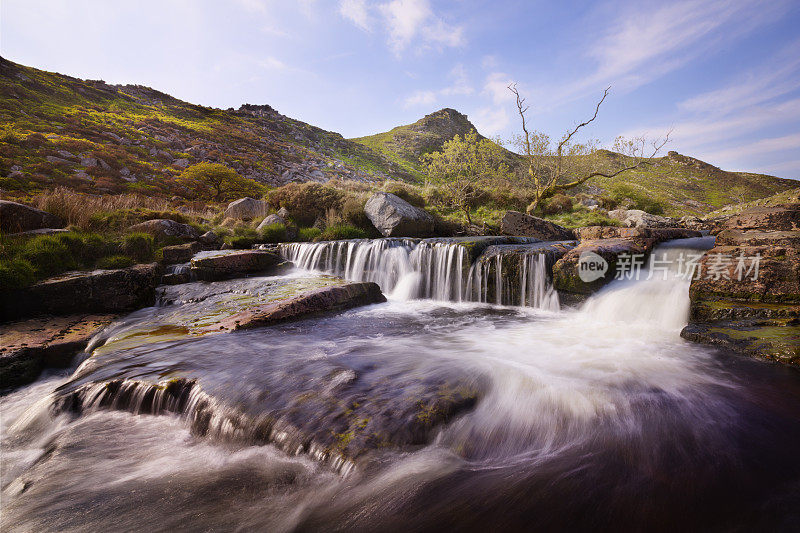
pixel 435 269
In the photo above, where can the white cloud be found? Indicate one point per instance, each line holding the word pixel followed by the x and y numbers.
pixel 356 12
pixel 407 22
pixel 271 63
pixel 496 87
pixel 420 98
pixel 254 6
pixel 763 146
pixel 491 120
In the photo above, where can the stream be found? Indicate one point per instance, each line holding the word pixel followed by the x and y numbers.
pixel 594 417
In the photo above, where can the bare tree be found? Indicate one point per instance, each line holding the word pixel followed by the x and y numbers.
pixel 550 169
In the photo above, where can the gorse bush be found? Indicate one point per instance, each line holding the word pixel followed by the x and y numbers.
pixel 308 234
pixel 274 233
pixel 16 273
pixel 632 198
pixel 306 202
pixel 558 203
pixel 48 255
pixel 139 246
pixel 341 231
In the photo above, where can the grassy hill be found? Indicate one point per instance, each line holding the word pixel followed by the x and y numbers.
pixel 679 184
pixel 792 196
pixel 100 138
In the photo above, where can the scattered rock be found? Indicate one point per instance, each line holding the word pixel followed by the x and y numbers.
pixel 97 291
pixel 636 218
pixel 246 209
pixel 180 253
pixel 283 213
pixel 164 228
pixel 31 345
pixel 214 266
pixel 15 218
pixel 210 238
pixel 270 220
pixel 516 223
pixel 394 217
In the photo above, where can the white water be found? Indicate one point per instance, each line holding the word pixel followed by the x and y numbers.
pixel 407 269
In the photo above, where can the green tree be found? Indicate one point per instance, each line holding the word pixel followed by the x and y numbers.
pixel 462 166
pixel 212 181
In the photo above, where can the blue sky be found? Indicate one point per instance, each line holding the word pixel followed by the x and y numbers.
pixel 723 75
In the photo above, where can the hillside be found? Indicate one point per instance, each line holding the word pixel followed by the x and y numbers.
pixel 680 184
pixel 100 138
pixel 792 196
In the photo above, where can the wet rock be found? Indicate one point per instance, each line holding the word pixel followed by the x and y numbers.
pixel 15 218
pixel 246 209
pixel 613 232
pixel 636 218
pixel 180 253
pixel 270 220
pixel 693 222
pixel 747 294
pixel 214 266
pixel 394 217
pixel 84 292
pixel 566 276
pixel 31 345
pixel 516 223
pixel 164 229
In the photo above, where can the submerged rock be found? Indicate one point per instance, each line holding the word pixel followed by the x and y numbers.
pixel 214 266
pixel 516 223
pixel 16 218
pixel 566 274
pixel 96 291
pixel 31 345
pixel 394 217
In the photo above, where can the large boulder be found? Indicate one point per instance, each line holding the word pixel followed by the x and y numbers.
pixel 394 217
pixel 636 218
pixel 16 218
pixel 246 209
pixel 570 274
pixel 516 223
pixel 271 220
pixel 31 345
pixel 746 296
pixel 164 229
pixel 98 291
pixel 215 266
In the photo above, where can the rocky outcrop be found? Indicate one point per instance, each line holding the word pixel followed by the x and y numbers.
pixel 165 229
pixel 636 218
pixel 16 218
pixel 516 223
pixel 658 235
pixel 567 270
pixel 322 300
pixel 246 209
pixel 98 291
pixel 180 253
pixel 31 345
pixel 215 266
pixel 394 217
pixel 271 220
pixel 747 294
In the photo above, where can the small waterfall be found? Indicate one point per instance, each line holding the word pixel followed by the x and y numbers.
pixel 436 269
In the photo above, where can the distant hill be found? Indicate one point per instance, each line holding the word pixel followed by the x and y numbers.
pixel 681 184
pixel 792 196
pixel 100 138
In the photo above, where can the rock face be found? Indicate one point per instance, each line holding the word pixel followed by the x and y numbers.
pixel 246 209
pixel 164 229
pixel 180 253
pixel 16 218
pixel 31 345
pixel 270 220
pixel 755 312
pixel 636 218
pixel 98 291
pixel 225 265
pixel 394 217
pixel 516 223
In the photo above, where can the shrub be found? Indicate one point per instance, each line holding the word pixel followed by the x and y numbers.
pixel 341 231
pixel 212 181
pixel 636 199
pixel 558 203
pixel 243 237
pixel 123 218
pixel 308 234
pixel 116 261
pixel 353 212
pixel 406 194
pixel 306 202
pixel 16 273
pixel 139 246
pixel 48 255
pixel 274 233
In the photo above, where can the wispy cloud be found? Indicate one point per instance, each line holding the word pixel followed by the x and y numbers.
pixel 408 23
pixel 460 86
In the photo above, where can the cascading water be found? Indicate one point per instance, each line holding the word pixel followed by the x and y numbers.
pixel 408 269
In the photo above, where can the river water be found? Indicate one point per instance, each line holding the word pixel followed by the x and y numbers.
pixel 598 417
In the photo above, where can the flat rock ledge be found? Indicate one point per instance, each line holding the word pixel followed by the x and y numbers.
pixel 220 265
pixel 31 345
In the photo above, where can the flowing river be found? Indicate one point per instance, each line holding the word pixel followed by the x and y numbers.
pixel 597 417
